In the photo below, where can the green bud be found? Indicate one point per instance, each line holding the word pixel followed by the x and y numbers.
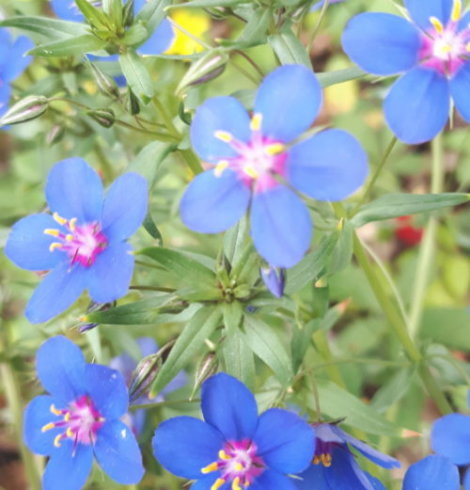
pixel 25 110
pixel 105 83
pixel 133 105
pixel 128 13
pixel 206 368
pixel 104 117
pixel 55 134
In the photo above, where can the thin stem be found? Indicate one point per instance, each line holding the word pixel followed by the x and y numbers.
pixel 321 343
pixel 251 62
pixel 317 27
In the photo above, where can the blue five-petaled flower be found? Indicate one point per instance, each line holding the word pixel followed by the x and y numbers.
pixel 83 244
pixel 234 448
pixel 253 159
pixel 12 63
pixel 334 465
pixel 79 418
pixel 433 50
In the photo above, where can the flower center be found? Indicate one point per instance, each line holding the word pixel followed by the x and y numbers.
pixel 81 243
pixel 446 48
pixel 257 161
pixel 80 421
pixel 323 453
pixel 238 464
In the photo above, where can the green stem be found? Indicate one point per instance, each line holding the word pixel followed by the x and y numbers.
pixel 427 248
pixel 317 27
pixel 332 369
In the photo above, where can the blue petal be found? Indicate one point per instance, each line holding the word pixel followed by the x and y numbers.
pixel 218 114
pixel 61 366
pixel 313 478
pixel 159 41
pixel 38 414
pixel 5 92
pixel 417 107
pixel 118 453
pixel 375 456
pixel 109 277
pixel 107 389
pixel 382 44
pixel 125 206
pixel 57 291
pixel 459 89
pixel 180 380
pixel 69 467
pixel 17 61
pixel 74 190
pixel 421 12
pixel 280 226
pixel 432 472
pixel 213 204
pixel 376 484
pixel 185 445
pixel 271 479
pixel 450 437
pixel 67 10
pixel 207 482
pixel 328 166
pixel 466 480
pixel 285 441
pixel 228 405
pixel 28 246
pixel 5 46
pixel 289 99
pixel 274 280
pixel 147 346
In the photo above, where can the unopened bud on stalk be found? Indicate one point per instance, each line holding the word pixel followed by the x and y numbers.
pixel 274 280
pixel 104 117
pixel 105 83
pixel 206 368
pixel 25 110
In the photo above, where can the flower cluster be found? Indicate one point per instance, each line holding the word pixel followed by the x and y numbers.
pixel 433 51
pixel 83 243
pixel 256 160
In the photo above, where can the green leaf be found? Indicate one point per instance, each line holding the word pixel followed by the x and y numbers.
pixel 189 343
pixel 310 266
pixel 151 228
pixel 256 28
pixel 342 253
pixel 238 359
pixel 340 76
pixel 209 3
pixel 447 326
pixel 394 389
pixel 86 43
pixel 289 49
pixel 395 205
pixel 51 29
pixel 137 75
pixel 264 342
pixel 338 403
pixel 95 17
pixel 152 13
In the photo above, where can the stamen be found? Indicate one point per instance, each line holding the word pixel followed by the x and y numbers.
pixel 69 238
pixel 316 460
pixel 326 460
pixel 236 484
pixel 238 466
pixel 224 455
pixel 275 149
pixel 250 171
pixel 217 484
pixel 57 440
pixel 48 426
pixel 437 24
pixel 223 136
pixel 72 224
pixel 67 416
pixel 210 468
pixel 54 245
pixel 69 432
pixel 59 218
pixel 456 11
pixel 220 167
pixel 55 411
pixel 468 47
pixel 255 123
pixel 52 232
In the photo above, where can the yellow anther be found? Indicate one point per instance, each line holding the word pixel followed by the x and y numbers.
pixel 224 455
pixel 67 416
pixel 217 484
pixel 220 167
pixel 255 123
pixel 275 148
pixel 210 468
pixel 54 410
pixel 238 466
pixel 69 237
pixel 52 232
pixel 223 136
pixel 69 433
pixel 57 440
pixel 47 427
pixel 54 245
pixel 326 460
pixel 437 24
pixel 236 484
pixel 456 11
pixel 251 171
pixel 59 219
pixel 316 460
pixel 468 47
pixel 73 223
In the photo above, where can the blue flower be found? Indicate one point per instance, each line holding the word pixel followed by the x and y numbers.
pixel 158 42
pixel 433 52
pixel 235 448
pixel 274 279
pixel 12 63
pixel 253 158
pixel 433 472
pixel 83 244
pixel 125 364
pixel 79 418
pixel 334 465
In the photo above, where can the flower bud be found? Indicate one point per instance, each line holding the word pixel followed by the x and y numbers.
pixel 104 117
pixel 55 134
pixel 206 368
pixel 105 83
pixel 25 110
pixel 274 280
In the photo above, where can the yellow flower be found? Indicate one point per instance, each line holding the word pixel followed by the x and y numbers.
pixel 195 23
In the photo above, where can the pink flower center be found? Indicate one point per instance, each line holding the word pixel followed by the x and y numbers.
pixel 80 422
pixel 238 464
pixel 82 243
pixel 258 161
pixel 446 48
